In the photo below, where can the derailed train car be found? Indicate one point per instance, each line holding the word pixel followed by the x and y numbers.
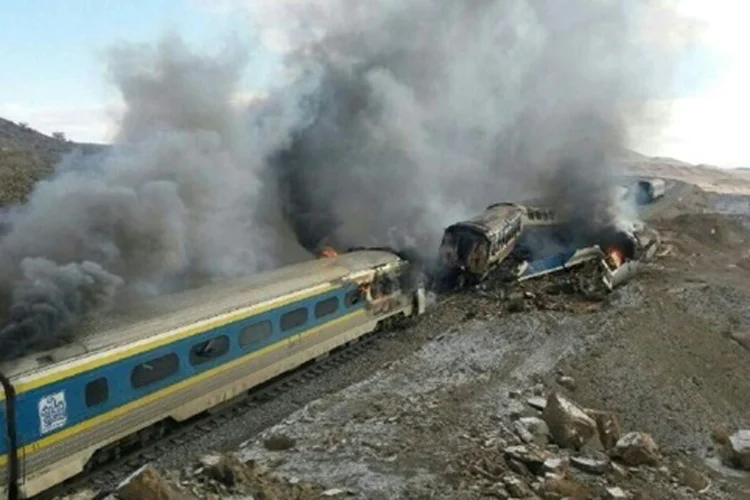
pixel 648 191
pixel 128 377
pixel 471 249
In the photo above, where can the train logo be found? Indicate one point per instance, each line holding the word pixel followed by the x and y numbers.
pixel 53 412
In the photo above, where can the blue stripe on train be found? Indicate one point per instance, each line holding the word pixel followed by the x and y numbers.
pixel 59 415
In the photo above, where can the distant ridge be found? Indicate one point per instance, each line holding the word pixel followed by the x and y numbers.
pixel 27 155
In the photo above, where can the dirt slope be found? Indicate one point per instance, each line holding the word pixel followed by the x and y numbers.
pixel 434 412
pixel 26 156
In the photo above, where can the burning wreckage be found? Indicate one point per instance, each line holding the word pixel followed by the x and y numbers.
pixel 603 267
pixel 502 238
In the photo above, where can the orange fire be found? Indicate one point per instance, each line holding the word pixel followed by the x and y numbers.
pixel 327 252
pixel 615 257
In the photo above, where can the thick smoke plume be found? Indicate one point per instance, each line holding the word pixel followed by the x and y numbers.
pixel 50 298
pixel 174 203
pixel 396 118
pixel 426 112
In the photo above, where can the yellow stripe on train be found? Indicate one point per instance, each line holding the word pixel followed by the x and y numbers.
pixel 111 356
pixel 134 405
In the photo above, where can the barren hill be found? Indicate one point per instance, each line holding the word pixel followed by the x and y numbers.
pixel 26 156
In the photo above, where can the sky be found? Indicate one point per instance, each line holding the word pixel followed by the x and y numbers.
pixel 53 71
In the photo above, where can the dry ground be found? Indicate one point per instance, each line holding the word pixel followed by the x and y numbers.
pixel 437 419
pixel 430 414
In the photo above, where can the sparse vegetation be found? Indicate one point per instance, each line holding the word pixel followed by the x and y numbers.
pixel 26 156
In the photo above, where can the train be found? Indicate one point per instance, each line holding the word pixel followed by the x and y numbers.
pixel 470 249
pixel 648 191
pixel 130 375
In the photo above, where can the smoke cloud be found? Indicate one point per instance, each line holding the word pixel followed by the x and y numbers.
pixel 426 112
pixel 393 120
pixel 176 202
pixel 50 299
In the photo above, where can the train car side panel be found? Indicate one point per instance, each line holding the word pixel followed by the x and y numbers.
pixel 65 422
pixel 52 414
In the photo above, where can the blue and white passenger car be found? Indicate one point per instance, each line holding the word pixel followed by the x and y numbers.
pixel 177 356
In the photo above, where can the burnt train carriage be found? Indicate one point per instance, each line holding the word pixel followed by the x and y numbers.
pixel 471 249
pixel 648 191
pixel 129 375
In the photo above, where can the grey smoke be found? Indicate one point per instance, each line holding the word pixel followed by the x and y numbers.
pixel 426 112
pixel 174 203
pixel 50 299
pixel 395 119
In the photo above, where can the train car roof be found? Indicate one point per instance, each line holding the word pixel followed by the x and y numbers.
pixel 493 219
pixel 168 312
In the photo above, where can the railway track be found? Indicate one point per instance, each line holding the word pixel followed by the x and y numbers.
pixel 111 465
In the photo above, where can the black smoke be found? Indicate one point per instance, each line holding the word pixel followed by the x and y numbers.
pixel 50 299
pixel 394 120
pixel 179 200
pixel 426 112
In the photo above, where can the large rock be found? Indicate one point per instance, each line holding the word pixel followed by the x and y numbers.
pixel 147 483
pixel 637 448
pixel 615 493
pixel 739 449
pixel 608 426
pixel 569 425
pixel 531 430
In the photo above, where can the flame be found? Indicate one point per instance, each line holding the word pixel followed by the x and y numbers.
pixel 615 257
pixel 327 252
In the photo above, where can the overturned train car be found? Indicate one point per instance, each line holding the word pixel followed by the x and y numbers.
pixel 472 248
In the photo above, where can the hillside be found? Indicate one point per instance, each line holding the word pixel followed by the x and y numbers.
pixel 27 156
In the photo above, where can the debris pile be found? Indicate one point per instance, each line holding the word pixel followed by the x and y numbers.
pixel 214 477
pixel 553 449
pixel 551 284
pixel 221 475
pixel 599 268
pixel 569 451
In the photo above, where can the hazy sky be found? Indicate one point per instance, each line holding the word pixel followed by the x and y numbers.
pixel 53 74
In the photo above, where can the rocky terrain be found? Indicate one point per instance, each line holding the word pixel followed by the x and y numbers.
pixel 528 392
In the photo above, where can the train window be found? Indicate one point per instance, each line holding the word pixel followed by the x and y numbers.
pixel 154 370
pixel 352 297
pixel 257 332
pixel 293 319
pixel 209 349
pixel 97 392
pixel 326 307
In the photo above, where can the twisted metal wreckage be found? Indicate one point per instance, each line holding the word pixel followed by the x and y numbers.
pixel 611 267
pixel 509 236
